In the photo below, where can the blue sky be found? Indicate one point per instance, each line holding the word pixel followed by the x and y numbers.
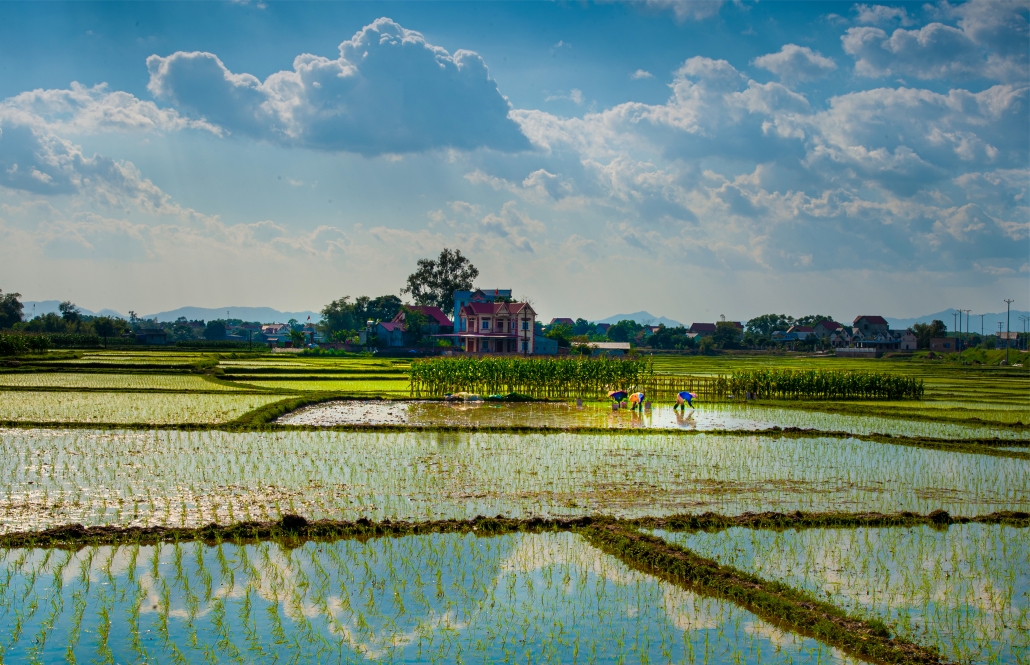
pixel 691 159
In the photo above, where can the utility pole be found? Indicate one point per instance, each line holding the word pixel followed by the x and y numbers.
pixel 967 311
pixel 1008 310
pixel 982 324
pixel 953 326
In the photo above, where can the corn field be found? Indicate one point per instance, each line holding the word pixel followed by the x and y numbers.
pixel 536 377
pixel 821 384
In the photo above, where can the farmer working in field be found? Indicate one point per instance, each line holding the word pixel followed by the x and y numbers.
pixel 636 400
pixel 684 398
pixel 618 396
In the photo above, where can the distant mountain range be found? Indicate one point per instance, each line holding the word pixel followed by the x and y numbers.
pixel 643 318
pixel 270 315
pixel 262 314
pixel 948 316
pixel 47 306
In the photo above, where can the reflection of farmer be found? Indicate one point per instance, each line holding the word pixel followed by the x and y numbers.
pixel 636 400
pixel 684 398
pixel 618 395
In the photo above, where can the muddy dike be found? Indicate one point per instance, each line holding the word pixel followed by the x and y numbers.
pixel 781 605
pixel 296 529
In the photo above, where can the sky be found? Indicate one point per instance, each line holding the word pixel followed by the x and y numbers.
pixel 690 159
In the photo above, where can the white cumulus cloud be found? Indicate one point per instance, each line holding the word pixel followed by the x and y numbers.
pixel 389 91
pixel 797 63
pixel 989 41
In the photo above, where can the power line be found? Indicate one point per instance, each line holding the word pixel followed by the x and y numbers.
pixel 1008 309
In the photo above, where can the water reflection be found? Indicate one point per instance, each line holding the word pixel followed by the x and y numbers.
pixel 432 598
pixel 714 416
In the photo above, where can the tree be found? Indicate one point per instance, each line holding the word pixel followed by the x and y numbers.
pixel 214 330
pixel 297 337
pixel 69 312
pixel 434 282
pixel 181 330
pixel 581 327
pixel 924 333
pixel 383 308
pixel 10 309
pixel 726 335
pixel 812 319
pixel 671 338
pixel 766 324
pixel 105 327
pixel 415 323
pixel 624 330
pixel 561 333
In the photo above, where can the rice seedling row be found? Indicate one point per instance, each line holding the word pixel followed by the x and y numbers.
pixel 444 597
pixel 127 407
pixel 190 478
pixel 100 381
pixel 964 589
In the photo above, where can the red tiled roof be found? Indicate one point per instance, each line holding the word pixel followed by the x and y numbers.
pixel 392 325
pixel 802 329
pixel 829 324
pixel 435 314
pixel 875 320
pixel 563 319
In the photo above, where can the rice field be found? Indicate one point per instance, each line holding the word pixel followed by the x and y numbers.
pixel 88 440
pixel 432 598
pixel 565 415
pixel 377 386
pixel 50 477
pixel 126 407
pixel 105 381
pixel 964 589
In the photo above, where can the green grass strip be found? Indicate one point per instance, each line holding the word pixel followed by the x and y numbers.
pixel 778 604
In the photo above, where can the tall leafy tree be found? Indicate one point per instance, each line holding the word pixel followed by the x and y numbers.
pixel 434 282
pixel 105 326
pixel 561 333
pixel 925 332
pixel 69 312
pixel 726 335
pixel 767 324
pixel 624 331
pixel 812 319
pixel 214 330
pixel 10 309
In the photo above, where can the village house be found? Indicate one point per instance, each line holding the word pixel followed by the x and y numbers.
pixel 708 329
pixel 909 341
pixel 392 333
pixel 871 326
pixel 496 327
pixel 825 328
pixel 462 298
pixel 945 344
pixel 800 333
pixel 564 320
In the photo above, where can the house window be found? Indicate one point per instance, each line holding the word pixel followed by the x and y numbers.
pixel 525 346
pixel 525 326
pixel 486 324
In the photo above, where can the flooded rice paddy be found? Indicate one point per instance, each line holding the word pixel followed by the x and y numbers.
pixel 964 589
pixel 431 598
pixel 181 478
pixel 715 416
pixel 126 407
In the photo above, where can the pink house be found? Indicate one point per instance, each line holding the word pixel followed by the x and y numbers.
pixel 496 327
